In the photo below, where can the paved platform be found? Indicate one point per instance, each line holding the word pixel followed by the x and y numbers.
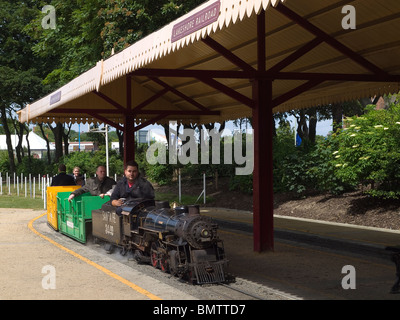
pixel 38 263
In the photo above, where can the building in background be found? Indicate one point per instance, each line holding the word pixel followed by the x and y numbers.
pixel 83 146
pixel 36 143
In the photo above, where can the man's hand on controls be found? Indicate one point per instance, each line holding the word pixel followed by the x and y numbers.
pixel 118 203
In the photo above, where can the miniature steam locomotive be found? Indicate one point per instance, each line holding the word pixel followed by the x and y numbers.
pixel 176 240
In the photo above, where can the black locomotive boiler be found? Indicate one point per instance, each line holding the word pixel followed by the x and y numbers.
pixel 176 240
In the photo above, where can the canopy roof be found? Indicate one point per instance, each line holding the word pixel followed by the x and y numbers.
pixel 199 68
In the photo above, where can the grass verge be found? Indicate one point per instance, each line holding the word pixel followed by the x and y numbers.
pixel 21 202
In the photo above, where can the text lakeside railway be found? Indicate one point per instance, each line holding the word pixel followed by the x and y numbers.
pixel 176 240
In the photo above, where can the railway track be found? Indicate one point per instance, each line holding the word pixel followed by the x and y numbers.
pixel 233 291
pixel 240 289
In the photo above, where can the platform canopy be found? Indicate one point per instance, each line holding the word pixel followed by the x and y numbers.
pixel 228 59
pixel 170 76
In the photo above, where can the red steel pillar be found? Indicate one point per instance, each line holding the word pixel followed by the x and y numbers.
pixel 263 193
pixel 129 126
pixel 129 138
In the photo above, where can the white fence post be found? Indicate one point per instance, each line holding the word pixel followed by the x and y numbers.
pixel 179 185
pixel 204 185
pixel 44 193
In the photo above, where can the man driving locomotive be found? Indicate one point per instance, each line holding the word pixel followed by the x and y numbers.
pixel 132 185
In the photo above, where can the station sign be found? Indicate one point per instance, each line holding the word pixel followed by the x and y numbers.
pixel 196 21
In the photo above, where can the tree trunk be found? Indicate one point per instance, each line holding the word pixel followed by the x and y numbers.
pixel 166 130
pixel 57 131
pixel 8 139
pixel 209 127
pixel 65 138
pixel 337 116
pixel 47 143
pixel 28 145
pixel 120 135
pixel 312 124
pixel 19 131
pixel 302 128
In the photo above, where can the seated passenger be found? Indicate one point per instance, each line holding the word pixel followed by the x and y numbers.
pixel 62 179
pixel 76 174
pixel 80 181
pixel 98 186
pixel 132 185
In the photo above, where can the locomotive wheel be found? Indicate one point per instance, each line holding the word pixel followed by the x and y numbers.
pixel 154 255
pixel 164 264
pixel 189 277
pixel 173 263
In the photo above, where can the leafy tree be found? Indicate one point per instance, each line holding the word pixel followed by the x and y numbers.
pixel 87 31
pixel 125 22
pixel 21 72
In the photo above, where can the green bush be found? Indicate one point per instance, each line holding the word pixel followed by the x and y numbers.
pixel 164 173
pixel 243 183
pixel 160 173
pixel 308 167
pixel 89 161
pixel 4 161
pixel 140 157
pixel 83 160
pixel 32 166
pixel 321 173
pixel 367 152
pixel 115 163
pixel 290 163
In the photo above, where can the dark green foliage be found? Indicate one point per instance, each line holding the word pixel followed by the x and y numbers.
pixel 243 183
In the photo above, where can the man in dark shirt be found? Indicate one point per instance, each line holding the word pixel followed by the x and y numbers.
pixel 98 186
pixel 62 179
pixel 131 186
